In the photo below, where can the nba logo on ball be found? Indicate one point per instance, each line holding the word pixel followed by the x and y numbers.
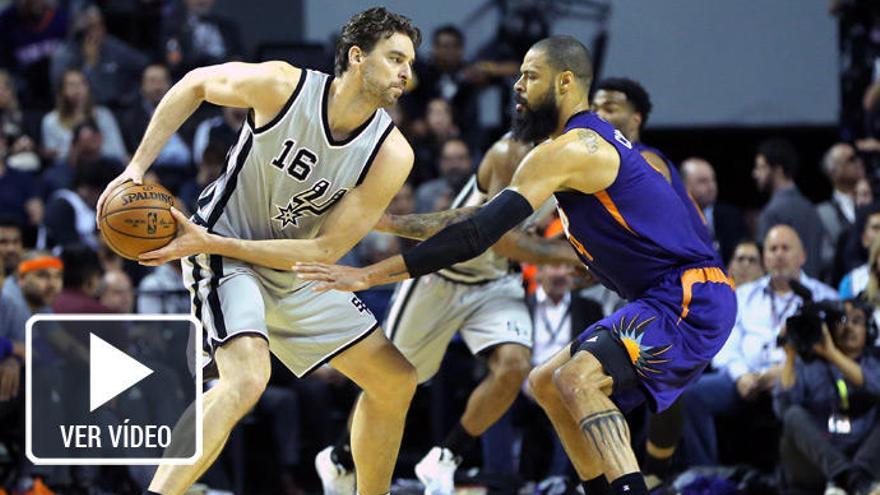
pixel 137 218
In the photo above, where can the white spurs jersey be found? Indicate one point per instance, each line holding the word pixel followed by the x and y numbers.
pixel 282 178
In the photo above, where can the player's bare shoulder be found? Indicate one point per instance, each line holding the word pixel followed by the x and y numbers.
pixel 589 161
pixel 394 159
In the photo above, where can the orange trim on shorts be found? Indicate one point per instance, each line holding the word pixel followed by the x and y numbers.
pixel 609 205
pixel 700 276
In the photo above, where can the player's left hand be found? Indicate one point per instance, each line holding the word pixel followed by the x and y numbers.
pixel 333 277
pixel 191 239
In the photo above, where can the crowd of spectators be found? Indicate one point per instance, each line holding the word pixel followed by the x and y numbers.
pixel 79 82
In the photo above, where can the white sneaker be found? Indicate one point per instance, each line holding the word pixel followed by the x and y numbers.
pixel 437 471
pixel 335 479
pixel 832 489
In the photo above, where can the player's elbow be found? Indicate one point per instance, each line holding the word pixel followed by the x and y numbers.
pixel 327 251
pixel 194 82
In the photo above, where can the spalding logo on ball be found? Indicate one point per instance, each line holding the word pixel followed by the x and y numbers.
pixel 137 219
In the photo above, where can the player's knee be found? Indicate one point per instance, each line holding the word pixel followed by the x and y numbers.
pixel 397 386
pixel 248 385
pixel 511 365
pixel 577 378
pixel 541 384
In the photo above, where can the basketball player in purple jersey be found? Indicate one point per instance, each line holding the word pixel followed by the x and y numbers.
pixel 631 229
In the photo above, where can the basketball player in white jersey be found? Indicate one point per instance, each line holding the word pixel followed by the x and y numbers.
pixel 481 300
pixel 313 168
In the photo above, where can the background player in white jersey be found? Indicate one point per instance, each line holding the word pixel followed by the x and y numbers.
pixel 314 167
pixel 479 298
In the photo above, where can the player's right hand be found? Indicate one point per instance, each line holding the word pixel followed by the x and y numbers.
pixel 130 173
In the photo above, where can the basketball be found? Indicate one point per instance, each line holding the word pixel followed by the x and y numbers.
pixel 137 218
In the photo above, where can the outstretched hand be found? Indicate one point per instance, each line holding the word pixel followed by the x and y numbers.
pixel 333 277
pixel 191 239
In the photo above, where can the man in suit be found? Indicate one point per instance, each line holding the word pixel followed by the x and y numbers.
pixel 844 168
pixel 724 221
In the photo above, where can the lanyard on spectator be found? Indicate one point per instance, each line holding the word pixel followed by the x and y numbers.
pixel 777 317
pixel 554 332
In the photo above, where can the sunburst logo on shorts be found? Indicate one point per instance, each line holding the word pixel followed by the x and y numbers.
pixel 643 357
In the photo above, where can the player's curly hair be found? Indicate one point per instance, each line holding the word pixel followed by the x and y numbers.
pixel 635 94
pixel 367 28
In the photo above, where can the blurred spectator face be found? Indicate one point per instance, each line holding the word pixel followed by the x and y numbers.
pixel 447 51
pixel 745 264
pixel 155 83
pixel 199 7
pixel 700 181
pixel 556 280
pixel 11 248
pixel 783 253
pixel 88 142
pixel 378 246
pixel 762 173
pixel 864 195
pixel 7 90
pixel 234 117
pixel 116 292
pixel 404 201
pixel 850 336
pixel 386 69
pixel 90 23
pixel 75 89
pixel 41 287
pixel 844 166
pixel 614 108
pixel 439 117
pixel 872 230
pixel 455 159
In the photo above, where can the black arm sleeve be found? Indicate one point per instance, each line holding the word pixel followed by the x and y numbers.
pixel 469 238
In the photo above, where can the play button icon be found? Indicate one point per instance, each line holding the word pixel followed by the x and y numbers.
pixel 111 372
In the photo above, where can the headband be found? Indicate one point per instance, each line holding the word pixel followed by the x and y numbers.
pixel 40 263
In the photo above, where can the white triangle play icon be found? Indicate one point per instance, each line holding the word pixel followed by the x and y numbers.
pixel 111 371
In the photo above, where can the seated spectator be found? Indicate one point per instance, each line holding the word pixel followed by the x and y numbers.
pixel 70 214
pixel 73 105
pixel 776 164
pixel 844 169
pixel 746 265
pixel 856 280
pixel 428 142
pixel 209 168
pixel 30 32
pixel 21 155
pixel 40 277
pixel 86 147
pixel 19 195
pixel 116 293
pixel 830 410
pixel 749 363
pixel 13 319
pixel 195 37
pixel 82 279
pixel 444 76
pixel 871 291
pixel 456 167
pixel 222 129
pixel 725 221
pixel 163 292
pixel 111 66
pixel 155 82
pixel 11 250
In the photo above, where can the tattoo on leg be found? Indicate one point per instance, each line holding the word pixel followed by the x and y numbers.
pixel 609 434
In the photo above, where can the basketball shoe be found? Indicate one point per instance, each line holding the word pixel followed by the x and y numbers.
pixel 335 479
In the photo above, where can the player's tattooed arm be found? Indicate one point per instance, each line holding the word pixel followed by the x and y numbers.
pixel 530 248
pixel 421 226
pixel 590 140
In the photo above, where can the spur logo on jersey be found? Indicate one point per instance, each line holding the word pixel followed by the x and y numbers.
pixel 309 202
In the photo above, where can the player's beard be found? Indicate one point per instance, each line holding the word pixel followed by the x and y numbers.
pixel 532 125
pixel 385 95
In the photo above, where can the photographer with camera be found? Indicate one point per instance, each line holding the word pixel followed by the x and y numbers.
pixel 749 364
pixel 827 398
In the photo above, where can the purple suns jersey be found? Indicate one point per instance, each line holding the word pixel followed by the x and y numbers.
pixel 638 229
